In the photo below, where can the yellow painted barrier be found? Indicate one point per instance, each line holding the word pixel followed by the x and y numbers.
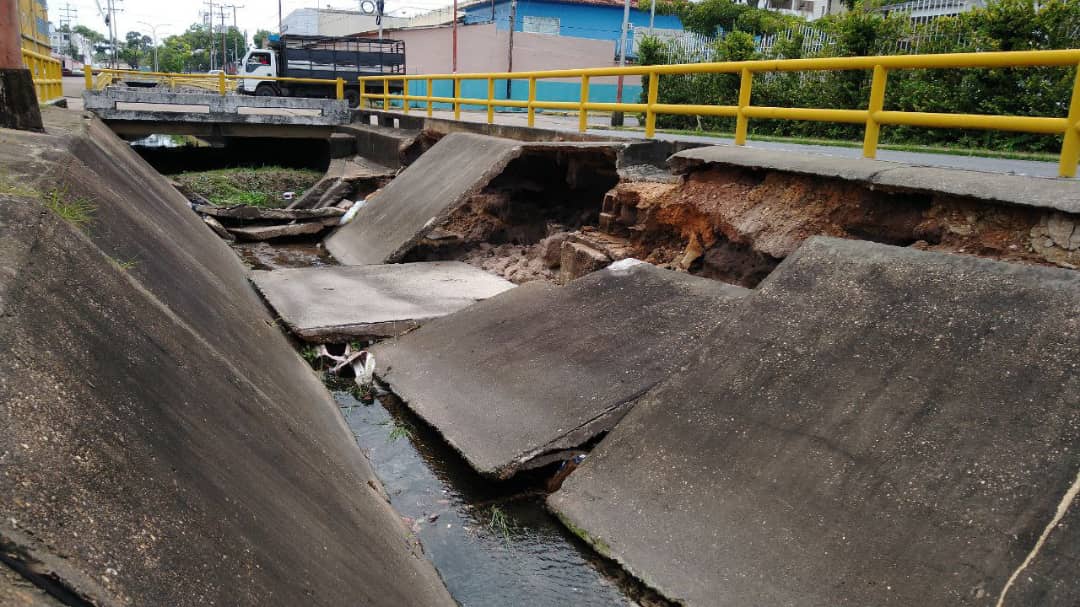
pixel 874 117
pixel 47 74
pixel 220 83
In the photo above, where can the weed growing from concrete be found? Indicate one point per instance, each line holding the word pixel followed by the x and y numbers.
pixel 11 188
pixel 399 431
pixel 499 524
pixel 77 211
pixel 124 265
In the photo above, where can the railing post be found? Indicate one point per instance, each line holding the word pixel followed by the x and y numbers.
pixel 742 122
pixel 363 92
pixel 221 83
pixel 386 94
pixel 340 89
pixel 88 74
pixel 457 98
pixel 430 94
pixel 1070 146
pixel 405 95
pixel 583 114
pixel 491 101
pixel 532 100
pixel 650 113
pixel 877 103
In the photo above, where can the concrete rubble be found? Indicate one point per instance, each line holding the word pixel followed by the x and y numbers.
pixel 518 380
pixel 459 186
pixel 343 303
pixel 256 223
pixel 875 426
pixel 346 179
pixel 162 443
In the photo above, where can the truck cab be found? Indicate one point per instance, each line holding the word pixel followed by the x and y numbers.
pixel 259 62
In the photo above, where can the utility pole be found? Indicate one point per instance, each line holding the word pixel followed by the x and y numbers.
pixel 67 15
pixel 224 53
pixel 279 18
pixel 652 16
pixel 110 20
pixel 617 117
pixel 510 49
pixel 236 51
pixel 18 99
pixel 453 54
pixel 210 24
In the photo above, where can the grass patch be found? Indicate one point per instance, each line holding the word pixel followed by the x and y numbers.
pixel 257 187
pixel 77 211
pixel 399 431
pixel 499 524
pixel 11 188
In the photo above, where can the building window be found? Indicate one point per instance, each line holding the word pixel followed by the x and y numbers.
pixel 540 25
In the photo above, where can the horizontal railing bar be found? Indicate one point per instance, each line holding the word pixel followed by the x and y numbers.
pixel 1068 57
pixel 1023 124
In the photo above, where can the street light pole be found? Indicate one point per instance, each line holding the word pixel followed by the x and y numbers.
pixel 153 32
pixel 617 117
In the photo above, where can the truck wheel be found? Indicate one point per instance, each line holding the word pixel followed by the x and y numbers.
pixel 265 90
pixel 352 97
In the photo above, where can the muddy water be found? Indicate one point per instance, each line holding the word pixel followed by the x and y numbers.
pixel 493 544
pixel 299 254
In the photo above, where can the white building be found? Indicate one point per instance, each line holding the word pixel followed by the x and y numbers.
pixel 334 22
pixel 61 41
pixel 923 11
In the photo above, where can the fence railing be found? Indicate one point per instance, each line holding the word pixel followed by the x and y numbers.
pixel 221 83
pixel 873 117
pixel 47 74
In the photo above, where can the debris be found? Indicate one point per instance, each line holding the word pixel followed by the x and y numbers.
pixel 259 213
pixel 267 232
pixel 348 216
pixel 288 195
pixel 218 229
pixel 358 364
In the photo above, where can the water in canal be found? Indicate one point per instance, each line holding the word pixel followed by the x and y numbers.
pixel 493 543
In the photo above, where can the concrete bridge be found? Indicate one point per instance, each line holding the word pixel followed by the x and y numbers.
pixel 137 112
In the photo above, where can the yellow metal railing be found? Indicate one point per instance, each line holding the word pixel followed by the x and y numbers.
pixel 47 74
pixel 874 117
pixel 221 83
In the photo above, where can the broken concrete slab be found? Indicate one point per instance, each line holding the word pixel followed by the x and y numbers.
pixel 162 442
pixel 426 193
pixel 255 213
pixel 283 230
pixel 875 426
pixel 542 369
pixel 1039 192
pixel 339 303
pixel 218 229
pixel 342 178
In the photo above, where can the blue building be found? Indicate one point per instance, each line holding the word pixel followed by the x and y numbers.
pixel 593 19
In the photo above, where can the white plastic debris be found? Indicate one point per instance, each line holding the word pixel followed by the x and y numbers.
pixel 624 264
pixel 288 195
pixel 348 216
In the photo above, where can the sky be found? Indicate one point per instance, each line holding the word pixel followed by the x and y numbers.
pixel 175 16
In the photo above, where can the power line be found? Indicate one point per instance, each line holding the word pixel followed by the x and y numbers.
pixel 67 14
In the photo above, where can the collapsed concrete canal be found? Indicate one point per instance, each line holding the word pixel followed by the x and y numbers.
pixel 610 373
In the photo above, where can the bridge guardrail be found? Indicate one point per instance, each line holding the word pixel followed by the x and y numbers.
pixel 222 83
pixel 874 117
pixel 47 74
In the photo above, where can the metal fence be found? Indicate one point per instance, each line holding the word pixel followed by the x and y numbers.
pixel 47 74
pixel 873 118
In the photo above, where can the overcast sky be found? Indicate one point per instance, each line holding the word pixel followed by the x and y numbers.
pixel 180 14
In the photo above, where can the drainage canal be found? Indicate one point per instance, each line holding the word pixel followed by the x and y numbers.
pixel 493 543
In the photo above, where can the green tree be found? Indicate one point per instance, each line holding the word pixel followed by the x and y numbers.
pixel 260 37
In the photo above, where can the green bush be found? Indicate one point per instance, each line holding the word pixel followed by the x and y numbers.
pixel 1002 25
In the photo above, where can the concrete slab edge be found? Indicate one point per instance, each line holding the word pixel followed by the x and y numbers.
pixel 1020 190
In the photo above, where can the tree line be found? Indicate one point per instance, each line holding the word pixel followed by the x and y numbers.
pixel 869 29
pixel 184 53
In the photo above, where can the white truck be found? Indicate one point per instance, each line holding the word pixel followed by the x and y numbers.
pixel 324 58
